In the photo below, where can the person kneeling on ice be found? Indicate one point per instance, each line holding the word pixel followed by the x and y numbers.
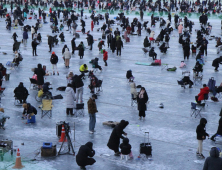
pixel 28 111
pixel 3 118
pixel 85 151
pixel 213 162
pixel 126 147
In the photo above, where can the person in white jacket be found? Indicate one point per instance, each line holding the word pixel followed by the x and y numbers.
pixel 32 32
pixel 67 56
pixel 3 118
pixel 133 90
pixel 70 99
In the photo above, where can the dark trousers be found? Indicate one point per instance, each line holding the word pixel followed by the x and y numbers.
pixel 73 50
pixel 118 51
pixel 50 47
pixel 196 97
pixel 142 114
pixel 99 67
pixel 32 36
pixel 105 61
pixel 186 56
pixel 205 49
pixel 109 43
pixel 22 99
pixel 69 111
pixel 91 46
pixel 34 51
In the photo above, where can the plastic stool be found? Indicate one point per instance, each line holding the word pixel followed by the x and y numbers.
pixel 124 156
pixel 32 120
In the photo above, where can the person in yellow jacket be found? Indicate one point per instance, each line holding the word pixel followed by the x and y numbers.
pixel 83 69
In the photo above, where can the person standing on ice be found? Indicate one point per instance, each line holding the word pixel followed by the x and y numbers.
pixel 201 135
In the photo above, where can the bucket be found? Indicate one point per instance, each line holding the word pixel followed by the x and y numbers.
pixel 7 76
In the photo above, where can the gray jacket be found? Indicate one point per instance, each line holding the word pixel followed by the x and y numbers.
pixel 3 116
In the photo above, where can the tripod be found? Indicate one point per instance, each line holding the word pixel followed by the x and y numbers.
pixel 70 146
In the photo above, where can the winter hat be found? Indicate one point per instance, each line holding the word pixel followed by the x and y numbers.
pixel 161 106
pixel 53 52
pixel 2 110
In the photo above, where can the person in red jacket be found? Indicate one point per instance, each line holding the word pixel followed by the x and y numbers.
pixel 92 25
pixel 50 10
pixel 105 56
pixel 203 91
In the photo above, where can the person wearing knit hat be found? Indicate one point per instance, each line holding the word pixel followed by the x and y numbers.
pixel 3 118
pixel 54 60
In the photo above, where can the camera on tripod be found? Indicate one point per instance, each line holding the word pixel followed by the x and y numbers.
pixel 59 128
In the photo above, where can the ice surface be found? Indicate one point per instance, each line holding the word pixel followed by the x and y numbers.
pixel 172 130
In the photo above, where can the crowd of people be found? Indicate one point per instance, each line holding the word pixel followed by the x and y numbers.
pixel 115 42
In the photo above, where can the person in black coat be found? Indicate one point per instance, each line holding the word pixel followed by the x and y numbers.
pixel 62 37
pixel 201 135
pixel 219 129
pixel 40 72
pixel 119 45
pixel 82 157
pixel 146 42
pixel 34 47
pixel 50 42
pixel 81 50
pixel 21 93
pixel 142 100
pixel 109 39
pixel 186 51
pixel 116 134
pixel 28 109
pixel 15 36
pixel 83 24
pixel 113 45
pixel 54 60
pixel 96 64
pixel 152 53
pixel 73 43
pixel 213 162
pixel 125 147
pixel 216 63
pixel 90 40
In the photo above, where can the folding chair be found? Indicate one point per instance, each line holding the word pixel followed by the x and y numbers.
pixel 46 108
pixel 94 69
pixel 133 100
pixel 33 84
pixel 17 102
pixel 145 51
pixel 195 110
pixel 79 109
pixel 99 87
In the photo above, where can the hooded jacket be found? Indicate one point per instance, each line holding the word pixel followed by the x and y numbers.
pixel 125 147
pixel 67 54
pixel 203 91
pixel 133 90
pixel 214 162
pixel 116 134
pixel 21 91
pixel 85 151
pixel 70 97
pixel 201 129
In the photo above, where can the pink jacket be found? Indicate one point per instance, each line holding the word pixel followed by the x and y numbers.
pixel 180 28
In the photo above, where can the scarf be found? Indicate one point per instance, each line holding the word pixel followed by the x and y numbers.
pixel 141 94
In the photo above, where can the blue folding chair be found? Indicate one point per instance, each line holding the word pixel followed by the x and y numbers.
pixel 195 110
